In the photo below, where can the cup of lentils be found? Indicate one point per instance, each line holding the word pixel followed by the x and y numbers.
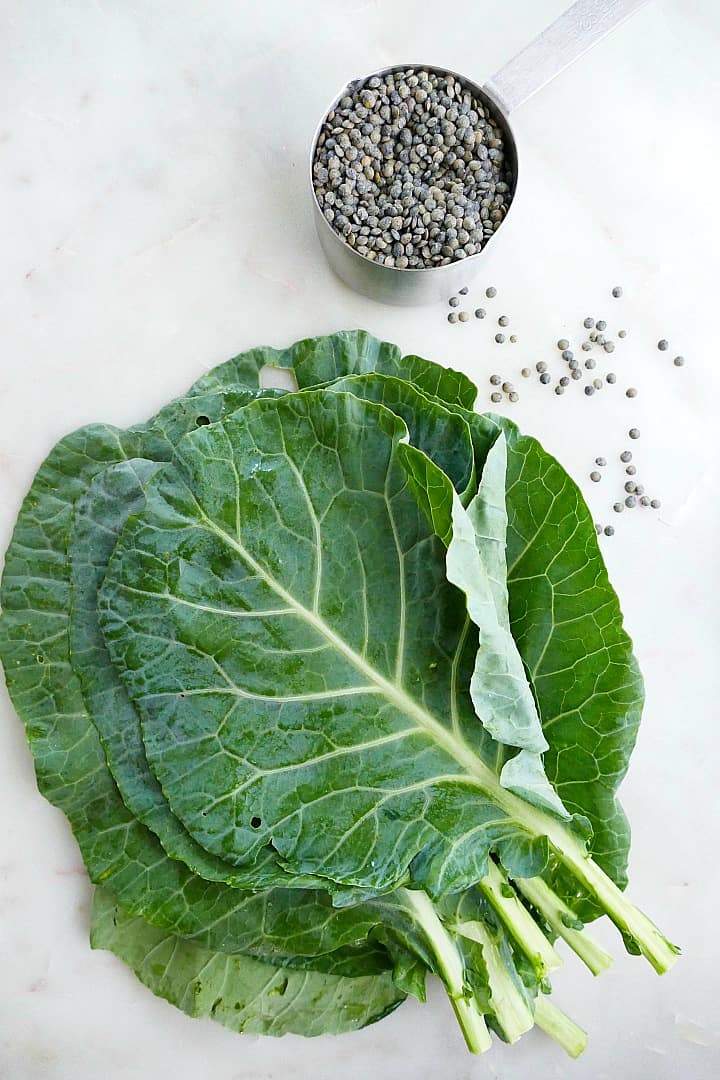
pixel 413 172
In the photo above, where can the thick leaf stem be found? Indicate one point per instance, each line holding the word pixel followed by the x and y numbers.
pixel 450 969
pixel 656 948
pixel 559 1027
pixel 519 922
pixel 558 915
pixel 510 1007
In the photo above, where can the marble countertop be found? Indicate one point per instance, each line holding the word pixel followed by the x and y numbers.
pixel 155 220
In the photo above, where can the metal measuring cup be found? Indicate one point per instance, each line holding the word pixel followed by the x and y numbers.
pixel 559 45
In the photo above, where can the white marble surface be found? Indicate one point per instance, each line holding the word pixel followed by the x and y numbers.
pixel 154 219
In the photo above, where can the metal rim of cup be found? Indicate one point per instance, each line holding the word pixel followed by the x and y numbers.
pixel 509 146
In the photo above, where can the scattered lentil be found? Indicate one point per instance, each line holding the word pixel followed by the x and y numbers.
pixel 601 325
pixel 452 317
pixel 559 389
pixel 610 377
pixel 590 363
pixel 617 291
pixel 454 301
pixel 662 344
pixel 525 373
pixel 586 346
pixel 480 313
pixel 618 507
pixel 622 333
pixel 499 338
pixel 589 390
pixel 490 292
pixel 567 355
pixel 639 489
pixel 541 366
pixel 464 316
pixel 464 291
pixel 545 378
pixel 507 387
pixel 634 433
pixel 630 501
pixel 496 397
pixel 609 346
pixel 631 392
pixel 644 501
pixel 503 320
pixel 513 338
pixel 589 323
pixel 626 455
pixel 595 476
pixel 598 528
pixel 631 470
pixel 495 380
pixel 609 530
pixel 564 381
pixel 601 461
pixel 655 503
pixel 576 374
pixel 598 384
pixel 679 361
pixel 629 487
pixel 513 396
pixel 563 344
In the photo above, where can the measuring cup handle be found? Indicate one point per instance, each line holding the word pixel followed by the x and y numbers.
pixel 564 41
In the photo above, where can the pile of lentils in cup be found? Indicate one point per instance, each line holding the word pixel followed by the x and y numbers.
pixel 409 170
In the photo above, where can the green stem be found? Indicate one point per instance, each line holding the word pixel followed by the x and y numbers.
pixel 509 1006
pixel 519 922
pixel 656 948
pixel 555 911
pixel 559 1027
pixel 451 969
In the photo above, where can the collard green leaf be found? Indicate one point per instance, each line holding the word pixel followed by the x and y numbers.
pixel 242 993
pixel 349 352
pixel 70 764
pixel 566 620
pixel 248 587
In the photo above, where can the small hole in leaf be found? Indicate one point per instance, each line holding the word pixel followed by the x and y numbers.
pixel 40 658
pixel 202 421
pixel 256 822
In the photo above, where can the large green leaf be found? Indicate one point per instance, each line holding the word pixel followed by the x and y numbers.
pixel 349 352
pixel 566 620
pixel 248 587
pixel 70 763
pixel 242 993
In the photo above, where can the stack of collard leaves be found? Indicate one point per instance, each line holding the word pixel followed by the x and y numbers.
pixel 334 691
